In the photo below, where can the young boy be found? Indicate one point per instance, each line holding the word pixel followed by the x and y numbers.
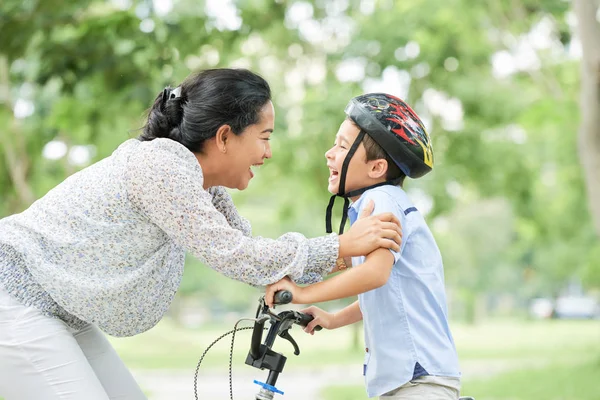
pixel 410 352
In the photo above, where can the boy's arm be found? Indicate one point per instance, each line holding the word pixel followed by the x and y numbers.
pixel 347 316
pixel 371 274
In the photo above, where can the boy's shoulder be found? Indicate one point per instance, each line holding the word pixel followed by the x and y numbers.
pixel 387 198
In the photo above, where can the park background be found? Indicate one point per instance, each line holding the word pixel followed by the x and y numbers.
pixel 509 91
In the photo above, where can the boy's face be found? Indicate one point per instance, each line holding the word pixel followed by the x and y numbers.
pixel 359 170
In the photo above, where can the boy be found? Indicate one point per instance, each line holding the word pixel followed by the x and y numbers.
pixel 410 352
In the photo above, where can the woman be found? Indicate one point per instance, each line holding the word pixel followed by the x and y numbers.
pixel 104 250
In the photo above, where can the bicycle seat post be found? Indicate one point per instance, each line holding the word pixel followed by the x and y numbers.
pixel 267 392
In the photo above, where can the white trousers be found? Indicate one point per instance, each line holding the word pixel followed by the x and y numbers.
pixel 41 358
pixel 426 388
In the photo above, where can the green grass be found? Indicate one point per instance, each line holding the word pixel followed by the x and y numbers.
pixel 566 355
pixel 344 393
pixel 550 360
pixel 170 347
pixel 556 382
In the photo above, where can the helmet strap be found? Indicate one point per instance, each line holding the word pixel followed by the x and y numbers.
pixel 342 188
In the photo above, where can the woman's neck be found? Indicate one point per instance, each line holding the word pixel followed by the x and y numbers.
pixel 210 170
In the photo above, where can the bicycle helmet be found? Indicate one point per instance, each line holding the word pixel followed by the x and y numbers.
pixel 394 126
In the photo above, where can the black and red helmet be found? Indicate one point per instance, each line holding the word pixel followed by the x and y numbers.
pixel 396 128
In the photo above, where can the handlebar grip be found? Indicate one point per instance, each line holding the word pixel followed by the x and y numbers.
pixel 305 320
pixel 282 297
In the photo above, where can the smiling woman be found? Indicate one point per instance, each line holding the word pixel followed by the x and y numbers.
pixel 224 116
pixel 105 249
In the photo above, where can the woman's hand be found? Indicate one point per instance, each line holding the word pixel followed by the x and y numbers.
pixel 323 318
pixel 284 284
pixel 369 233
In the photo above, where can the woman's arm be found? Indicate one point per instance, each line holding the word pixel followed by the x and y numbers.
pixel 223 202
pixel 164 182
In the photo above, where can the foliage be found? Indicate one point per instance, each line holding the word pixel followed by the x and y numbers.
pixel 507 185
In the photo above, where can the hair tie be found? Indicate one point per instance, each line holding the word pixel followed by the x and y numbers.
pixel 175 93
pixel 170 94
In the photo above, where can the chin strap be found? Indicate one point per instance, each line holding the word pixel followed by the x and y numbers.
pixel 342 187
pixel 357 192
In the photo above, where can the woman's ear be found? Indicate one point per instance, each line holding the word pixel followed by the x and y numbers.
pixel 223 134
pixel 378 168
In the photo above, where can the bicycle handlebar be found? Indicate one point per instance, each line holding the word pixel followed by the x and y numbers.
pixel 263 315
pixel 261 355
pixel 282 297
pixel 305 319
pixel 302 319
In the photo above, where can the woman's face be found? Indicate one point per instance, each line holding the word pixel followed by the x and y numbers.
pixel 249 149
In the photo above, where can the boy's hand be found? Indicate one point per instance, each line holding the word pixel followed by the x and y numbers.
pixel 284 284
pixel 323 318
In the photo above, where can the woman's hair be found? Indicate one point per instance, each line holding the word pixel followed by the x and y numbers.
pixel 207 100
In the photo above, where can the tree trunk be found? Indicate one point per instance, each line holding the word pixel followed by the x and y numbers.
pixel 588 29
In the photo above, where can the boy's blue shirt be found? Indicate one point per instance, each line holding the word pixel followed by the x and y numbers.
pixel 406 320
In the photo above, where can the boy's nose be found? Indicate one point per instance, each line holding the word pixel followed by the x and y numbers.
pixel 329 154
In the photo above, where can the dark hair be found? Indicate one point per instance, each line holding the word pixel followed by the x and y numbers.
pixel 374 152
pixel 208 100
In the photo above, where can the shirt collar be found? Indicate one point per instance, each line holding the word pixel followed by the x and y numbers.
pixel 354 209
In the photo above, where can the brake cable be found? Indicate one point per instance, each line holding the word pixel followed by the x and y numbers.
pixel 233 331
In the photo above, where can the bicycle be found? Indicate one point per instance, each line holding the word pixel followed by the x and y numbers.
pixel 261 355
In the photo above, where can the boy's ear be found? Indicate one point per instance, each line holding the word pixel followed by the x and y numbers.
pixel 378 168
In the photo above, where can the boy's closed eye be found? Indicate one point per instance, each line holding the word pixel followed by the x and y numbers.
pixel 341 144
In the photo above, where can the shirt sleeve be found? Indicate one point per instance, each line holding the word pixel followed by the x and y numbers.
pixel 223 202
pixel 385 203
pixel 166 185
pixel 319 249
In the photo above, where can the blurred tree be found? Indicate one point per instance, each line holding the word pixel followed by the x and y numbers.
pixel 587 12
pixel 496 82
